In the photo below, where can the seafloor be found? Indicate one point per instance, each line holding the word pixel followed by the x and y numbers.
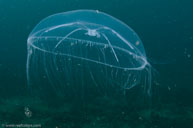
pixel 107 114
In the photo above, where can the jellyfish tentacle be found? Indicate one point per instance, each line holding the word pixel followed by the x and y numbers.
pixel 111 47
pixel 78 29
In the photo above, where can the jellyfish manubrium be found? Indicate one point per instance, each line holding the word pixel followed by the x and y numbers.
pixel 85 51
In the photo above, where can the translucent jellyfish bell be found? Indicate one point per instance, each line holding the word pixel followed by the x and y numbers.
pixel 85 51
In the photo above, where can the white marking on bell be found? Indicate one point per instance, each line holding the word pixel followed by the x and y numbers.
pixel 93 32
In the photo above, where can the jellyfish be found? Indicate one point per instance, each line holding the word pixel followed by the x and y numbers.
pixel 85 52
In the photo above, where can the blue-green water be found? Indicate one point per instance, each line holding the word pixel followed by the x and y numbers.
pixel 166 30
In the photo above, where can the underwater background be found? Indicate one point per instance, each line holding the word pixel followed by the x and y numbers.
pixel 166 30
